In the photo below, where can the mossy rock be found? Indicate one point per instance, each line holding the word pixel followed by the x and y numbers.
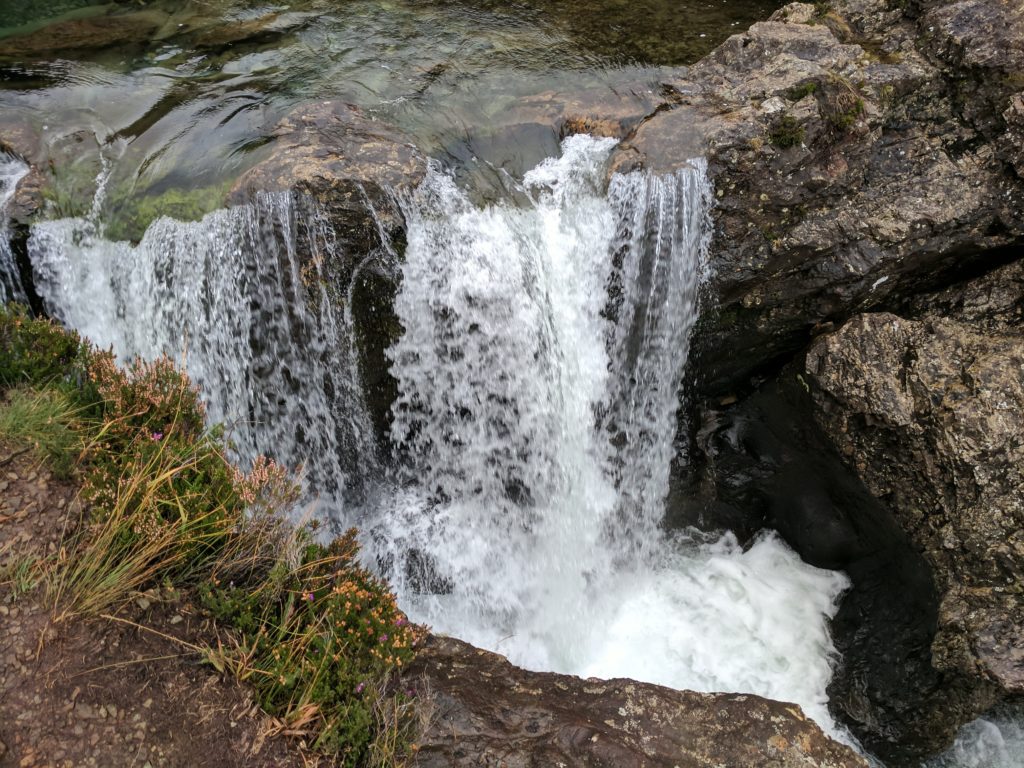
pixel 131 215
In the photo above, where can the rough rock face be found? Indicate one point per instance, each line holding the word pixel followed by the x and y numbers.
pixel 856 153
pixel 930 414
pixel 352 167
pixel 489 713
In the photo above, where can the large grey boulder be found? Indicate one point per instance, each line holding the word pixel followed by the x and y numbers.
pixel 488 713
pixel 858 155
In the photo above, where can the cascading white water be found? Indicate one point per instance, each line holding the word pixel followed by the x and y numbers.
pixel 539 368
pixel 539 374
pixel 12 170
pixel 229 296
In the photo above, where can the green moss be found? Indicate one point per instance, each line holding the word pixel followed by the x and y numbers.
pixel 798 92
pixel 131 214
pixel 786 132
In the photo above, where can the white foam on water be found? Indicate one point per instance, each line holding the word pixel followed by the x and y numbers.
pixel 994 741
pixel 12 171
pixel 539 377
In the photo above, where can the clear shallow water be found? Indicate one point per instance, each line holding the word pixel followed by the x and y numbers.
pixel 181 112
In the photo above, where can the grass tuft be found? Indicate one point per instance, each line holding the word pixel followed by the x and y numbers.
pixel 786 132
pixel 48 422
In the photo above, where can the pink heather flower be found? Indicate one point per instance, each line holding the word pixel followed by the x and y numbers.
pixel 308 596
pixel 383 638
pixel 400 622
pixel 360 687
pixel 157 436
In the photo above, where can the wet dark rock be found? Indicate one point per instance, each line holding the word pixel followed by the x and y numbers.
pixel 764 463
pixel 859 155
pixel 488 713
pixel 930 415
pixel 992 302
pixel 353 168
pixel 17 138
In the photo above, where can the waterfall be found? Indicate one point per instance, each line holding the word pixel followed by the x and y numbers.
pixel 544 341
pixel 539 374
pixel 230 297
pixel 12 170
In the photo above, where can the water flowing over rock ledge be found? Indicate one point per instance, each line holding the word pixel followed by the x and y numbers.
pixel 858 154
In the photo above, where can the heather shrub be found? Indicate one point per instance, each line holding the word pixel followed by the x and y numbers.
pixel 319 640
pixel 36 351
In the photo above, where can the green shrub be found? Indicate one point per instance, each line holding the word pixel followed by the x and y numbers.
pixel 319 642
pixel 318 636
pixel 37 351
pixel 786 132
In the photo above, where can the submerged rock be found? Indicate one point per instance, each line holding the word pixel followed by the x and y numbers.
pixel 80 34
pixel 930 414
pixel 489 713
pixel 345 160
pixel 859 154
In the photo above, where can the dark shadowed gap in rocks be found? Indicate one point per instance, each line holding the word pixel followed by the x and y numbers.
pixel 765 464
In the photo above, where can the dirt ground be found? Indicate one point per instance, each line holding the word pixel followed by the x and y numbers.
pixel 105 692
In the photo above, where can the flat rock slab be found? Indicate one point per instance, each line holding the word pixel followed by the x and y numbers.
pixel 490 713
